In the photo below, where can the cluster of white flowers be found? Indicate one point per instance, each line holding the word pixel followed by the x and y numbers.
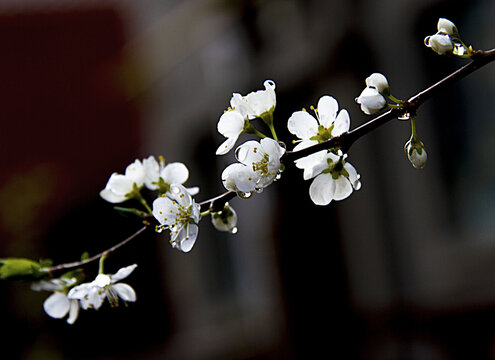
pixel 259 164
pixel 68 298
pixel 447 40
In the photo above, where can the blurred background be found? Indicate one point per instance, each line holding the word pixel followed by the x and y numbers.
pixel 403 269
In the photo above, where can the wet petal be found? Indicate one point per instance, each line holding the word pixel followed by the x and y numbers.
pixel 186 237
pixel 230 124
pixel 164 210
pixel 327 110
pixel 302 124
pixel 343 188
pixel 322 189
pixel 227 145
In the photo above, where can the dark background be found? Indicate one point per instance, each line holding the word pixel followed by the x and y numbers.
pixel 403 269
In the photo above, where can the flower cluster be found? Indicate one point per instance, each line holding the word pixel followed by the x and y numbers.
pixel 447 40
pixel 68 297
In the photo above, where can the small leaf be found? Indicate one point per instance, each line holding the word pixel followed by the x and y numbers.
pixel 19 269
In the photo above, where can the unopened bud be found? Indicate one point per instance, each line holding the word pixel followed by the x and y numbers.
pixel 416 153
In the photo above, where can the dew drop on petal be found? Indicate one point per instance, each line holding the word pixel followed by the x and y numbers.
pixel 356 185
pixel 244 195
pixel 282 145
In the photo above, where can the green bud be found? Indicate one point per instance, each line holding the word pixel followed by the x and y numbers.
pixel 20 269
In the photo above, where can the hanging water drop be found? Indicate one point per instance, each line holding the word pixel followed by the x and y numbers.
pixel 234 230
pixel 258 189
pixel 244 195
pixel 405 116
pixel 357 185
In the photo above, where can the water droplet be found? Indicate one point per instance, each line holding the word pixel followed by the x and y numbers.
pixel 244 195
pixel 234 230
pixel 282 144
pixel 175 189
pixel 278 176
pixel 405 116
pixel 427 41
pixel 357 185
pixel 258 189
pixel 241 153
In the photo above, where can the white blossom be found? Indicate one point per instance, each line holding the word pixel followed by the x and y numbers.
pixel 91 295
pixel 58 305
pixel 259 165
pixel 119 187
pixel 329 122
pixel 159 176
pixel 379 82
pixel 179 213
pixel 257 104
pixel 335 181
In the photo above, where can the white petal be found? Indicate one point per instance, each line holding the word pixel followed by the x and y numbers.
pixel 164 210
pixel 228 176
pixel 125 292
pixel 193 190
pixel 95 298
pixel 227 145
pixel 305 144
pixel 272 148
pixel 378 81
pixel 302 124
pixel 111 197
pixel 119 184
pixel 180 195
pixel 327 110
pixel 230 124
pixel 353 174
pixel 322 189
pixel 73 311
pixel 249 152
pixel 343 188
pixel 79 292
pixel 122 273
pixel 152 172
pixel 175 173
pixel 313 164
pixel 56 305
pixel 135 172
pixel 245 179
pixel 342 123
pixel 186 237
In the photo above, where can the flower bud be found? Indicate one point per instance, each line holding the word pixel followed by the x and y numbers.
pixel 440 43
pixel 378 81
pixel 225 220
pixel 416 153
pixel 445 26
pixel 371 100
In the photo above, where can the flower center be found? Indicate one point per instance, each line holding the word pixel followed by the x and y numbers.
pixel 261 167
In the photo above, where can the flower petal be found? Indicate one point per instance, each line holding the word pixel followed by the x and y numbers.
pixel 164 210
pixel 342 123
pixel 175 173
pixel 186 238
pixel 152 172
pixel 343 188
pixel 313 164
pixel 227 145
pixel 73 311
pixel 230 124
pixel 125 292
pixel 302 124
pixel 322 189
pixel 327 110
pixel 122 273
pixel 250 152
pixel 56 305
